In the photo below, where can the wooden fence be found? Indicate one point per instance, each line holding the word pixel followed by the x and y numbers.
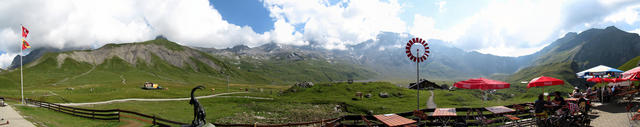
pixel 112 114
pixel 117 114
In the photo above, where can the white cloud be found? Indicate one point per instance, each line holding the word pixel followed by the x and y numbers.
pixel 637 31
pixel 93 23
pixel 511 25
pixel 424 27
pixel 285 33
pixel 86 23
pixel 344 23
pixel 6 59
pixel 629 15
pixel 441 6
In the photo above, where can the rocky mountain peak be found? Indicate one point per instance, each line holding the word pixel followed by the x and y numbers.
pixel 133 53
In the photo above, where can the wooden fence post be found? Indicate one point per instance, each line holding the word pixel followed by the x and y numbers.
pixel 93 114
pixel 154 120
pixel 118 115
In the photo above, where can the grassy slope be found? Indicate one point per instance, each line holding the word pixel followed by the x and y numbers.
pixel 46 117
pixel 630 64
pixel 308 104
pixel 106 79
pixel 561 71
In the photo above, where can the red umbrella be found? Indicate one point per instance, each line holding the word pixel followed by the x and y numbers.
pixel 618 80
pixel 544 81
pixel 630 77
pixel 633 72
pixel 482 84
pixel 595 80
pixel 607 80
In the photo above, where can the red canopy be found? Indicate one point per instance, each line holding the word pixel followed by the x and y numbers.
pixel 544 81
pixel 633 72
pixel 481 83
pixel 631 77
pixel 595 80
pixel 618 80
pixel 607 80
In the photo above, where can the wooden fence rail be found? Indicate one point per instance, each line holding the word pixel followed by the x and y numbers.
pixel 117 114
pixel 112 114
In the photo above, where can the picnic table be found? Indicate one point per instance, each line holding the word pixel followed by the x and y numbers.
pixel 574 99
pixel 499 109
pixel 444 114
pixel 440 112
pixel 393 120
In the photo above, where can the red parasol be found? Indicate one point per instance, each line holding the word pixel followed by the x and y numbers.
pixel 596 80
pixel 607 80
pixel 632 73
pixel 630 77
pixel 544 81
pixel 482 84
pixel 617 80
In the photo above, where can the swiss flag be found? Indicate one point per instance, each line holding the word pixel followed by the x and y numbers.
pixel 25 32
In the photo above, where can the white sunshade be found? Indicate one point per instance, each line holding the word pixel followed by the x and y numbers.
pixel 598 69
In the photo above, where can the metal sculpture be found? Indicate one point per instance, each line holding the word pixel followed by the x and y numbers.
pixel 198 111
pixel 420 56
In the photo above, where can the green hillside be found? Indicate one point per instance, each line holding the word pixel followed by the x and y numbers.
pixel 630 64
pixel 308 104
pixel 74 81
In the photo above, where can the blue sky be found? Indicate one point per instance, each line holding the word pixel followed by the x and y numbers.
pixel 499 27
pixel 245 12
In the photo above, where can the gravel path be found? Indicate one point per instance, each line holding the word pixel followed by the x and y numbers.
pixel 611 115
pixel 431 103
pixel 7 113
pixel 143 99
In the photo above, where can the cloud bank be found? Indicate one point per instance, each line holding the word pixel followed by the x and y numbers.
pixel 506 28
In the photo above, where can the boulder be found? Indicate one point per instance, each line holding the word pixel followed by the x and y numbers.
pixel 304 84
pixel 383 94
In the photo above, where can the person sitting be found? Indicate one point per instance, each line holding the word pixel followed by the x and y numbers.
pixel 540 105
pixel 576 93
pixel 558 102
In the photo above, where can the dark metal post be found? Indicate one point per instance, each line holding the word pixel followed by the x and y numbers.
pixel 418 81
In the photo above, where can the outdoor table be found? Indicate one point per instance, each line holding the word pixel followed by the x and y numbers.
pixel 575 100
pixel 499 109
pixel 571 99
pixel 444 114
pixel 393 120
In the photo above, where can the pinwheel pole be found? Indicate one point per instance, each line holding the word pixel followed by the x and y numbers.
pixel 420 56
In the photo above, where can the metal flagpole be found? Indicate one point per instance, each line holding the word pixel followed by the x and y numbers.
pixel 21 82
pixel 418 79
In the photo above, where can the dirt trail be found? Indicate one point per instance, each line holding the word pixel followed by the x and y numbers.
pixel 163 99
pixel 431 103
pixel 74 77
pixel 124 81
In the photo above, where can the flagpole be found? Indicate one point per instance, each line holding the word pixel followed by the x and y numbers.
pixel 21 81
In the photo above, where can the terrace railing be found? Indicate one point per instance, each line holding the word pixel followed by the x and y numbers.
pixel 117 114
